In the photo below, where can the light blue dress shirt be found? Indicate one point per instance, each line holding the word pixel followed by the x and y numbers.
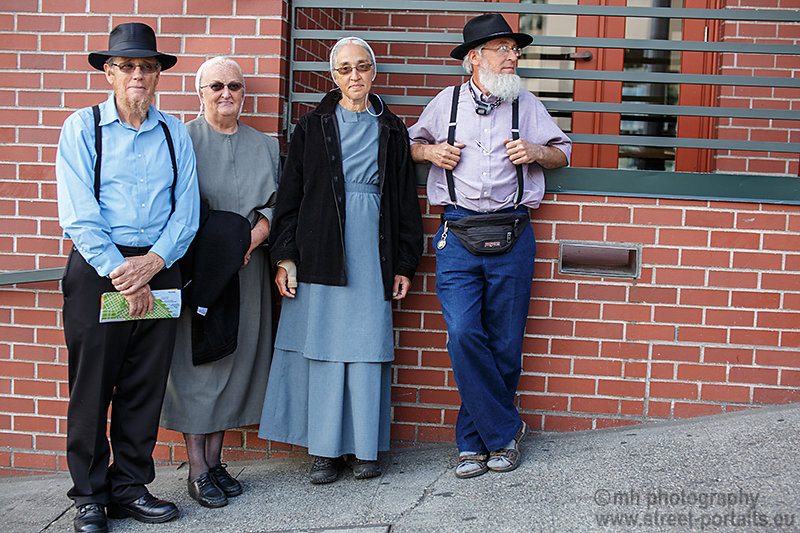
pixel 135 196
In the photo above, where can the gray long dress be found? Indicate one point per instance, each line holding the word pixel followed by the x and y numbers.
pixel 237 172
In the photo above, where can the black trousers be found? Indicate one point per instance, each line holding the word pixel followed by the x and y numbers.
pixel 124 364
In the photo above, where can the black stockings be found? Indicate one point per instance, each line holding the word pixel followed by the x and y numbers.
pixel 204 451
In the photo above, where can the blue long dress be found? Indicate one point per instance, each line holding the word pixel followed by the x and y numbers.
pixel 329 383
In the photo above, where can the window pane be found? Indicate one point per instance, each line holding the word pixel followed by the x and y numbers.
pixel 650 60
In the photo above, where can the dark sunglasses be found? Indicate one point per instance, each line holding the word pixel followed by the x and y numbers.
pixel 347 69
pixel 233 86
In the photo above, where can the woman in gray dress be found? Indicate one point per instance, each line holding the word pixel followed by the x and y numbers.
pixel 236 168
pixel 347 227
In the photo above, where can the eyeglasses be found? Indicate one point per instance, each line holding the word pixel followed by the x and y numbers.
pixel 129 68
pixel 234 86
pixel 347 69
pixel 504 50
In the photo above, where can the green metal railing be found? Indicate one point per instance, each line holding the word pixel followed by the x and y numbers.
pixel 31 276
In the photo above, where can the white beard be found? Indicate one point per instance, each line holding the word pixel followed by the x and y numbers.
pixel 505 86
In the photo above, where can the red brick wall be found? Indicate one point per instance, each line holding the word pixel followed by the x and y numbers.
pixel 713 324
pixel 759 65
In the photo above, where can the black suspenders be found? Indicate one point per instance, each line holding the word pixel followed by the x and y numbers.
pixel 98 147
pixel 451 139
pixel 175 166
pixel 514 137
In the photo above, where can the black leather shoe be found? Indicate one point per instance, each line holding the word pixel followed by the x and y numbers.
pixel 147 508
pixel 90 518
pixel 324 470
pixel 206 492
pixel 229 485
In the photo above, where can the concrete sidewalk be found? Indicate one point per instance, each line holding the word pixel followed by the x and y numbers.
pixel 733 472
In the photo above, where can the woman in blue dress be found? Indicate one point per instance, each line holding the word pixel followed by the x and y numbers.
pixel 346 239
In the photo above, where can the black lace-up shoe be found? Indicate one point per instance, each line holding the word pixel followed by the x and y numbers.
pixel 90 518
pixel 206 492
pixel 229 485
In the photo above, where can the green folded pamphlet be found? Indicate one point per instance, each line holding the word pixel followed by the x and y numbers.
pixel 114 306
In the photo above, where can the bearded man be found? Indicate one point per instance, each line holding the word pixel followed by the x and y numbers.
pixel 128 199
pixel 487 173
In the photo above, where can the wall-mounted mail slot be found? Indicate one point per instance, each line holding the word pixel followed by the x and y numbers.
pixel 599 259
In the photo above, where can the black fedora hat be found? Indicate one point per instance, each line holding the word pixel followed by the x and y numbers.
pixel 132 39
pixel 484 28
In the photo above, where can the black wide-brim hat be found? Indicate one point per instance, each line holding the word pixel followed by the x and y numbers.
pixel 484 28
pixel 132 39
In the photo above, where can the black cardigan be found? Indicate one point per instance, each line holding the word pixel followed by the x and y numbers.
pixel 309 217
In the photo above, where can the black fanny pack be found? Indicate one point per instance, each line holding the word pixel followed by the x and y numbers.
pixel 493 233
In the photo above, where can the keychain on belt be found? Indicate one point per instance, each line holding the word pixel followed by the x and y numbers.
pixel 443 240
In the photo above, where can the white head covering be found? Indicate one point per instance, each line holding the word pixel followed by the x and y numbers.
pixel 352 40
pixel 214 61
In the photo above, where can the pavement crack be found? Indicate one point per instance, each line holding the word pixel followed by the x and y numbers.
pixel 56 519
pixel 427 491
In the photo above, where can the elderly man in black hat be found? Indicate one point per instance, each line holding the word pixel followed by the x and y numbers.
pixel 128 199
pixel 488 141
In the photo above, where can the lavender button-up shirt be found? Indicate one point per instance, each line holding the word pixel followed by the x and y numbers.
pixel 485 178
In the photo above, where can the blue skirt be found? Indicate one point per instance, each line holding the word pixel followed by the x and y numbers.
pixel 330 408
pixel 329 387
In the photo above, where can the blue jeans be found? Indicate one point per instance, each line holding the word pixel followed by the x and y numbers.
pixel 485 301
